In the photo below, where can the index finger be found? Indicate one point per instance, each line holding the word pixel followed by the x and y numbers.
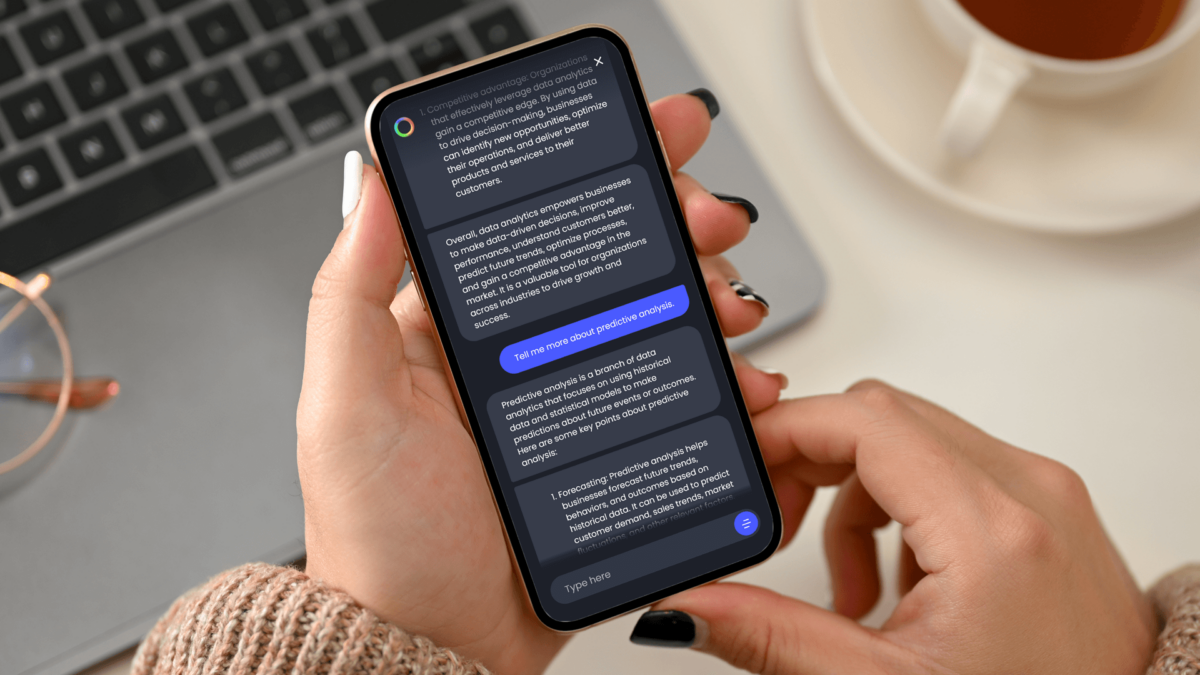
pixel 907 463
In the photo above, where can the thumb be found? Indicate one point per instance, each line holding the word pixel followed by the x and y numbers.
pixel 763 632
pixel 354 348
pixel 367 261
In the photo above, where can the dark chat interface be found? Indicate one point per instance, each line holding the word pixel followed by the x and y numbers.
pixel 550 248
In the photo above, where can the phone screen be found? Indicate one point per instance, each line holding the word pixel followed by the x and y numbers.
pixel 542 223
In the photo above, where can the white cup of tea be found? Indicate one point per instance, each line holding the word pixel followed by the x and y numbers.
pixel 1032 47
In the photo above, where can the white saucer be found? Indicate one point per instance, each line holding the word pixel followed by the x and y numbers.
pixel 1129 160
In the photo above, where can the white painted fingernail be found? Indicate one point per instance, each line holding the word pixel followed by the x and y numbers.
pixel 351 184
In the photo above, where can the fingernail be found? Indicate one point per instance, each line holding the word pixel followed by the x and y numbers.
pixel 751 209
pixel 351 184
pixel 668 629
pixel 745 292
pixel 710 101
pixel 783 378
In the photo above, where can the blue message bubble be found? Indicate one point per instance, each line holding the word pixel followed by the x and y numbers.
pixel 594 330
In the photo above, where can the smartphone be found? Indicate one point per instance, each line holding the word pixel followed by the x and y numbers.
pixel 548 245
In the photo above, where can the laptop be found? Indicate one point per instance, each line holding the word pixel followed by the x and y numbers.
pixel 175 165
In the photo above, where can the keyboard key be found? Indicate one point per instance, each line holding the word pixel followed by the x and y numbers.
pixel 394 19
pixel 32 110
pixel 370 82
pixel 153 122
pixel 168 5
pixel 215 95
pixel 217 30
pixel 275 13
pixel 276 68
pixel 321 114
pixel 110 17
pixel 499 30
pixel 156 56
pixel 28 177
pixel 51 37
pixel 94 83
pixel 9 66
pixel 336 41
pixel 437 53
pixel 252 145
pixel 91 149
pixel 10 8
pixel 88 216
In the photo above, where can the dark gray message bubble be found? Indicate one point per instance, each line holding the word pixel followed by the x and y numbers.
pixel 513 130
pixel 655 555
pixel 622 495
pixel 560 250
pixel 611 399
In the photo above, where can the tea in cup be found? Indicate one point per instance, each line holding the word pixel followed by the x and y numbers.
pixel 1052 48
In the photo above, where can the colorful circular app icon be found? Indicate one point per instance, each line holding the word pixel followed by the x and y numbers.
pixel 399 123
pixel 746 523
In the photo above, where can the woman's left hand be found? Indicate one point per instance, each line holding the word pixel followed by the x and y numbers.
pixel 398 510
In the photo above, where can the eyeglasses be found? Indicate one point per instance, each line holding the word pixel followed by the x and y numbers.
pixel 65 392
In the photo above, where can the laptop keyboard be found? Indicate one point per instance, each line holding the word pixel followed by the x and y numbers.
pixel 113 111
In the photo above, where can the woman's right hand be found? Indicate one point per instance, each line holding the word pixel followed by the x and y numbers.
pixel 1006 567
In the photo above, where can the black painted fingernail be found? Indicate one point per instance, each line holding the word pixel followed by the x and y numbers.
pixel 751 209
pixel 710 101
pixel 745 292
pixel 664 629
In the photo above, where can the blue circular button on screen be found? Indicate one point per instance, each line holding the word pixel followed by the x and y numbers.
pixel 746 523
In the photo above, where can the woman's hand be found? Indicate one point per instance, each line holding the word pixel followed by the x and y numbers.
pixel 1006 567
pixel 398 511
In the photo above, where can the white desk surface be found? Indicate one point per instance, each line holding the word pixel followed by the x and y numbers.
pixel 1083 349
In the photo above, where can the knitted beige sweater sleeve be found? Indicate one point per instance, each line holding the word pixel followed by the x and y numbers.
pixel 1177 601
pixel 264 620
